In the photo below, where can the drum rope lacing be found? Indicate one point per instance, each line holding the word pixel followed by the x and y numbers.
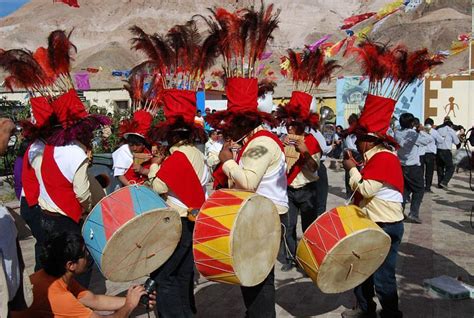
pixel 224 229
pixel 337 238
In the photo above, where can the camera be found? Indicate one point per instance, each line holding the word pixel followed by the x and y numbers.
pixel 150 287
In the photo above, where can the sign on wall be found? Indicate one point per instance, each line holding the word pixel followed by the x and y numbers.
pixel 351 92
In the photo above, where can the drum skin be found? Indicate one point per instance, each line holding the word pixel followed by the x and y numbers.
pixel 236 237
pixel 131 233
pixel 341 249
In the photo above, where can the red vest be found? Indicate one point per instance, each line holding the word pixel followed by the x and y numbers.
pixel 29 181
pixel 179 175
pixel 58 187
pixel 137 178
pixel 313 148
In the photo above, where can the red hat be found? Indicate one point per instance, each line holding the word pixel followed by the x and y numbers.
pixel 242 100
pixel 69 108
pixel 179 103
pixel 139 125
pixel 76 122
pixel 41 110
pixel 375 119
pixel 298 109
pixel 242 94
pixel 376 115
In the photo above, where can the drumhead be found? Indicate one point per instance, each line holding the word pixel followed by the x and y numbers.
pixel 141 245
pixel 255 240
pixel 352 260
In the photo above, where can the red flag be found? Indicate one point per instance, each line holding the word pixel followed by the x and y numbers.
pixel 71 3
pixel 351 21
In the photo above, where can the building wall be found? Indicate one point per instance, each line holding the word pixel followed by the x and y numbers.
pixel 100 98
pixel 451 96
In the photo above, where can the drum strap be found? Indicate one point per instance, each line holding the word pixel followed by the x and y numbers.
pixel 313 147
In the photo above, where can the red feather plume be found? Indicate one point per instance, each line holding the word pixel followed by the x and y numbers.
pixel 59 52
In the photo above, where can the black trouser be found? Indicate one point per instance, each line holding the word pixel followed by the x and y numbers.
pixel 428 163
pixel 413 184
pixel 32 217
pixel 260 299
pixel 321 188
pixel 174 278
pixel 444 165
pixel 383 281
pixel 55 223
pixel 304 201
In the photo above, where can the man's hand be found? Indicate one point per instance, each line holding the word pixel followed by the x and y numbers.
pixel 348 164
pixel 133 296
pixel 158 159
pixel 7 128
pixel 152 301
pixel 301 146
pixel 286 140
pixel 226 152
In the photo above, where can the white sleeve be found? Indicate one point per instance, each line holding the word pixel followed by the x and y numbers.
pixel 322 142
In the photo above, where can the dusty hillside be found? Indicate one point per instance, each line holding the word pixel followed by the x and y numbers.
pixel 101 28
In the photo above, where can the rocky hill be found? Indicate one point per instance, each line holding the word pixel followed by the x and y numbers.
pixel 102 37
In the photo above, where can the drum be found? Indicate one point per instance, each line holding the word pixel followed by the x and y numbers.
pixel 236 237
pixel 131 233
pixel 342 248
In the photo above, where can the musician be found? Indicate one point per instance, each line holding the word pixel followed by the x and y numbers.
pixel 302 177
pixel 134 131
pixel 259 166
pixel 55 176
pixel 182 177
pixel 379 189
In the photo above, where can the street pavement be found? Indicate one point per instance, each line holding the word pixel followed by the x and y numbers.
pixel 442 245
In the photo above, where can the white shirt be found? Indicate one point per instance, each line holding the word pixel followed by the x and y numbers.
pixel 448 137
pixel 431 148
pixel 123 159
pixel 322 143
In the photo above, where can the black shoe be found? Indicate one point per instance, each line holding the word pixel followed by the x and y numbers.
pixel 428 191
pixel 411 219
pixel 357 313
pixel 287 267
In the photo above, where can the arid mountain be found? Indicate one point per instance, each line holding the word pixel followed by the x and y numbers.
pixel 102 37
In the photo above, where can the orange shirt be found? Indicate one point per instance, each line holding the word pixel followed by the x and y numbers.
pixel 53 298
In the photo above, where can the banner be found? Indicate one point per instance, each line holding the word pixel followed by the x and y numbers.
pixel 82 81
pixel 351 92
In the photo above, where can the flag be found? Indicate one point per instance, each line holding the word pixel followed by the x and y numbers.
pixel 318 43
pixel 71 3
pixel 82 81
pixel 356 19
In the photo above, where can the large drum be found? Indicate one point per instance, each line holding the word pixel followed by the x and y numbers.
pixel 236 237
pixel 131 232
pixel 342 248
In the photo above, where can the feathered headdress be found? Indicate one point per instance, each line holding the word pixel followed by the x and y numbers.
pixel 242 37
pixel 390 71
pixel 46 76
pixel 178 60
pixel 307 69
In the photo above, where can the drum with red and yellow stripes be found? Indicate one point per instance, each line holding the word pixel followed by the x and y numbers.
pixel 342 248
pixel 131 232
pixel 236 237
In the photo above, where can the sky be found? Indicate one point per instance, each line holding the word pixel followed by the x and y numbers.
pixel 9 6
